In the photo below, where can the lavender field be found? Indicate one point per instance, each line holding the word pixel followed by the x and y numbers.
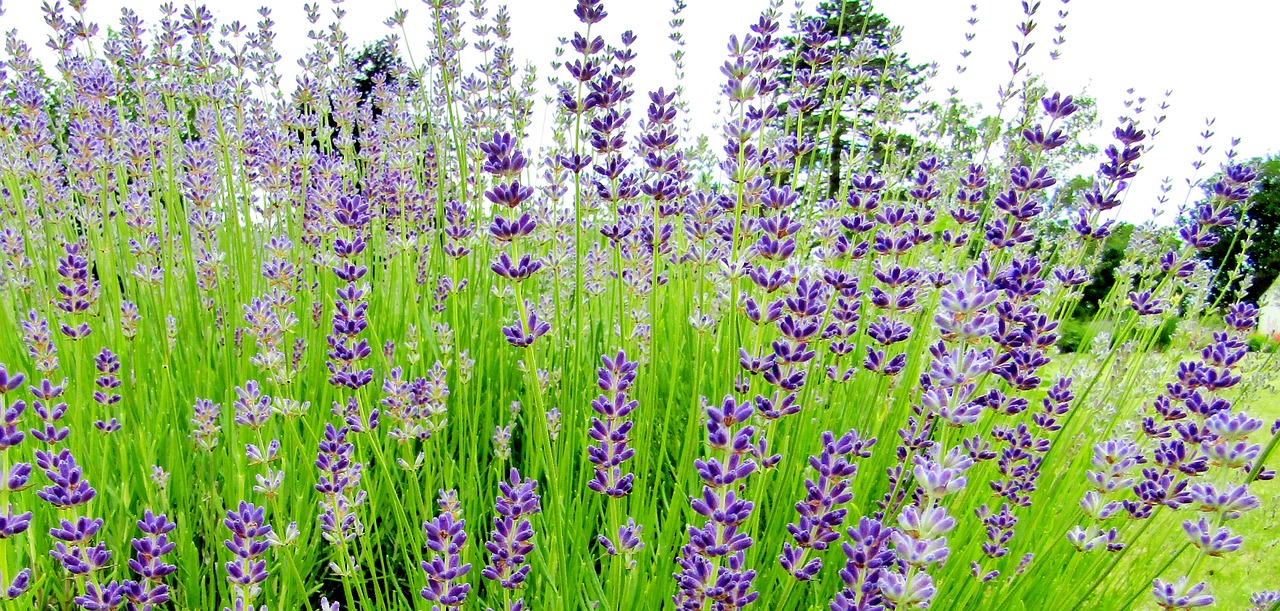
pixel 359 342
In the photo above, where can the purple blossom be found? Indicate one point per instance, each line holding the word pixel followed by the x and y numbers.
pixel 17 586
pixel 10 419
pixel 68 488
pixel 12 524
pixel 1180 595
pixel 820 513
pixel 511 540
pixel 446 537
pixel 248 542
pixel 253 408
pixel 205 433
pixel 1211 540
pixel 148 562
pixel 10 382
pixel 105 597
pixel 339 484
pixel 868 562
pixel 627 544
pixel 724 511
pixel 526 331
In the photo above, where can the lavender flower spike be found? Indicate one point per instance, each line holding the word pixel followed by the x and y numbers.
pixel 248 542
pixel 611 435
pixel 512 538
pixel 820 513
pixel 446 537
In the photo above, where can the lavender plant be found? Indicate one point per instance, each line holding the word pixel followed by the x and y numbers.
pixel 833 371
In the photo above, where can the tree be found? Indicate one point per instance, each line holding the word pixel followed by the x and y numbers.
pixel 862 76
pixel 1104 276
pixel 378 61
pixel 1263 253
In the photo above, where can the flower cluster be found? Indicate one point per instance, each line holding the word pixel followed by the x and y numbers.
pixel 821 512
pixel 611 436
pixel 417 407
pixel 446 537
pixel 148 562
pixel 248 543
pixel 511 540
pixel 349 321
pixel 339 484
pixel 702 578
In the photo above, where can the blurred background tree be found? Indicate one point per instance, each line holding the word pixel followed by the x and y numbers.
pixel 1262 248
pixel 864 78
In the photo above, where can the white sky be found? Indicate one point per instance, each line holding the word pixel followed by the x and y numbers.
pixel 1218 62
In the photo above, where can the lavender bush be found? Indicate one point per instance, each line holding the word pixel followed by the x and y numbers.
pixel 268 343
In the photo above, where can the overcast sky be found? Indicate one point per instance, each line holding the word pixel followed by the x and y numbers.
pixel 1218 62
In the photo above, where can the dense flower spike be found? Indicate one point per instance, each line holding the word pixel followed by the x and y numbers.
pixel 67 488
pixel 148 562
pixel 511 540
pixel 702 584
pixel 248 543
pixel 446 572
pixel 346 350
pixel 339 484
pixel 611 436
pixel 821 514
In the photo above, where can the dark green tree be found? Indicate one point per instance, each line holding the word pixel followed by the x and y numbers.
pixel 1263 253
pixel 861 78
pixel 377 62
pixel 1104 276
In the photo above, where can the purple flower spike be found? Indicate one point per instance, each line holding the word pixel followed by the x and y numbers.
pixel 339 483
pixel 39 341
pixel 611 435
pixel 1058 106
pixel 719 537
pixel 80 560
pixel 524 333
pixel 346 350
pixel 1180 594
pixel 253 409
pixel 78 291
pixel 1264 600
pixel 106 597
pixel 868 559
pixel 10 419
pixel 10 381
pixel 18 586
pixel 590 11
pixel 207 414
pixel 820 513
pixel 908 591
pixel 108 365
pixel 13 524
pixel 1212 541
pixel 445 571
pixel 248 542
pixel 512 538
pixel 628 542
pixel 69 488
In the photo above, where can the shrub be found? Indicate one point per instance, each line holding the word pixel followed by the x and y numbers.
pixel 311 349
